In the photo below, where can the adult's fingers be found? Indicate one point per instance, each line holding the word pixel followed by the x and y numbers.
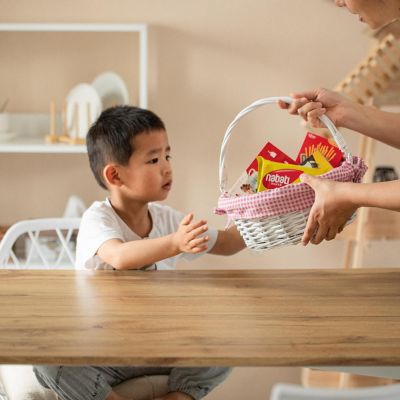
pixel 332 232
pixel 308 107
pixel 283 105
pixel 313 117
pixel 320 234
pixel 311 95
pixel 296 104
pixel 311 181
pixel 309 231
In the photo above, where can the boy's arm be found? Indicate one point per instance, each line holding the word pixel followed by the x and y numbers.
pixel 228 242
pixel 139 253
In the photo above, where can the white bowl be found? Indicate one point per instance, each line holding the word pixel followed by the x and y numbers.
pixel 111 88
pixel 84 100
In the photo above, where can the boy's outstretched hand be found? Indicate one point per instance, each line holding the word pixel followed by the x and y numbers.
pixel 188 237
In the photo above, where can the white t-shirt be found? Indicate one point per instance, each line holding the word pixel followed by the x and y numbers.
pixel 101 223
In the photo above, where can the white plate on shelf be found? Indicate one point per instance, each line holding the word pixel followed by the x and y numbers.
pixel 111 89
pixel 83 108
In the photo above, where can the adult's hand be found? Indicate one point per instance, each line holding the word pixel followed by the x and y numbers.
pixel 370 121
pixel 331 210
pixel 310 105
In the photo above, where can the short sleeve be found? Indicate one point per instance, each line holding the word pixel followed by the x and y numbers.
pixel 97 226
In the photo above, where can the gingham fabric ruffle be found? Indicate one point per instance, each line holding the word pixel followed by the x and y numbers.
pixel 286 199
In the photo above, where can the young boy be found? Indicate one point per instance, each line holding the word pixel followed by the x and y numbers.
pixel 129 155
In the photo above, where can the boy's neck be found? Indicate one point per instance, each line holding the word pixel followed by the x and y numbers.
pixel 136 215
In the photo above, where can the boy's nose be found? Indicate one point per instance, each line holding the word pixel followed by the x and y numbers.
pixel 167 170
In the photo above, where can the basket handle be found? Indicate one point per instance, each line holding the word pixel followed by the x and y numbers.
pixel 337 136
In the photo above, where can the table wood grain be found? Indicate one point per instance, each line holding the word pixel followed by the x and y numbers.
pixel 194 318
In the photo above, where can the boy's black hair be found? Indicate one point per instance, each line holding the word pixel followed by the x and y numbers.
pixel 110 138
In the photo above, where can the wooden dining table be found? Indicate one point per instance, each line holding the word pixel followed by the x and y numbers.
pixel 201 317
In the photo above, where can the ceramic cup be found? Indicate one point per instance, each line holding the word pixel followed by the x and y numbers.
pixel 4 122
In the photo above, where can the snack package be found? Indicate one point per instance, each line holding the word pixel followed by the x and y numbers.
pixel 273 175
pixel 272 153
pixel 247 182
pixel 310 162
pixel 314 142
pixel 244 185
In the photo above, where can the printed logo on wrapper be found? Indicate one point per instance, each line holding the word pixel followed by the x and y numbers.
pixel 273 175
pixel 280 178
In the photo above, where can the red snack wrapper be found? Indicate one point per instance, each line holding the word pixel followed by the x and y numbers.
pixel 314 142
pixel 271 153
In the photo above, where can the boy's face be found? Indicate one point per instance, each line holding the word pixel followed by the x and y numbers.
pixel 148 175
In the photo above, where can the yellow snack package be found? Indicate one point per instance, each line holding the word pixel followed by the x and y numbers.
pixel 272 175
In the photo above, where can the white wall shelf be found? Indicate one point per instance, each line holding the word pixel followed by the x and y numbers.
pixel 28 136
pixel 28 144
pixel 37 145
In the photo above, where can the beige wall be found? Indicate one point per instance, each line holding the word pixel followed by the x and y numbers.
pixel 208 59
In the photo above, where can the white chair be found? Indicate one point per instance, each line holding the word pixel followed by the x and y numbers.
pixel 75 207
pixel 296 392
pixel 50 243
pixel 45 243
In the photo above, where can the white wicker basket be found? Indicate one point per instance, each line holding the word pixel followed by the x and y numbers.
pixel 270 231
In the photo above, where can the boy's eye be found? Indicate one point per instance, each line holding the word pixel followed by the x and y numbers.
pixel 168 157
pixel 153 161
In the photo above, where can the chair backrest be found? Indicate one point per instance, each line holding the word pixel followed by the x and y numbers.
pixel 75 207
pixel 43 243
pixel 296 392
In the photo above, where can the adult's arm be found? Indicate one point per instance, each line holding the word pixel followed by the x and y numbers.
pixel 335 202
pixel 370 121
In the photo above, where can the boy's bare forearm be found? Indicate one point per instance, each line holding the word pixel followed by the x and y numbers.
pixel 228 242
pixel 377 124
pixel 189 238
pixel 138 253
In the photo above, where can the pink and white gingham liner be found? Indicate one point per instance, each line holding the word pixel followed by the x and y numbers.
pixel 290 198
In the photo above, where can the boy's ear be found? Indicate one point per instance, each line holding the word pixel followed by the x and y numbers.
pixel 111 175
